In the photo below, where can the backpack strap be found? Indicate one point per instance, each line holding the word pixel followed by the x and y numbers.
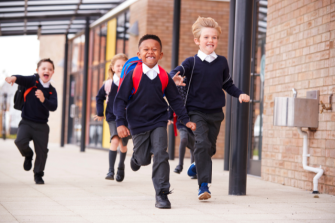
pixel 27 92
pixel 163 76
pixel 137 76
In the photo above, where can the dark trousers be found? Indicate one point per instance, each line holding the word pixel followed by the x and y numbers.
pixel 150 143
pixel 208 128
pixel 186 140
pixel 39 133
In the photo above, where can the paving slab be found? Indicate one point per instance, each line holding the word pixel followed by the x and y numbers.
pixel 76 191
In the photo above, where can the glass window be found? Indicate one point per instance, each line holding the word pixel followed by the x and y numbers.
pixel 121 36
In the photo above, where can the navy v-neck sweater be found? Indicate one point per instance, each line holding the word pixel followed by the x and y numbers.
pixel 147 109
pixel 206 94
pixel 101 97
pixel 33 109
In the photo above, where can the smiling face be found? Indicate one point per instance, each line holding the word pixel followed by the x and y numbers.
pixel 117 68
pixel 45 71
pixel 150 52
pixel 208 40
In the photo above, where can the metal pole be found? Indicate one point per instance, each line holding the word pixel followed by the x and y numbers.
pixel 4 109
pixel 240 116
pixel 84 97
pixel 174 63
pixel 62 133
pixel 228 102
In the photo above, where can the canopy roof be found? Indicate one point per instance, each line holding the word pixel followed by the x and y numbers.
pixel 31 17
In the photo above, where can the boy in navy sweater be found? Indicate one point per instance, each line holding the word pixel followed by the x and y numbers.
pixel 39 100
pixel 147 116
pixel 208 74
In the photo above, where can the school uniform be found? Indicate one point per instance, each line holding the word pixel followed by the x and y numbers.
pixel 33 125
pixel 204 104
pixel 147 115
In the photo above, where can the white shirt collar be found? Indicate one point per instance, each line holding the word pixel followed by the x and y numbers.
pixel 116 80
pixel 151 72
pixel 209 58
pixel 45 85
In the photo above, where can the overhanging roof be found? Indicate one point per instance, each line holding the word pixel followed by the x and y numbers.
pixel 20 17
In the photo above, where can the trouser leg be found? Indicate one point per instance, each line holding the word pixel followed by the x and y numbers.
pixel 40 139
pixel 190 145
pixel 24 135
pixel 160 167
pixel 182 145
pixel 202 146
pixel 214 124
pixel 141 155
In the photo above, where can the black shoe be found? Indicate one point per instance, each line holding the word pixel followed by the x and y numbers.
pixel 178 169
pixel 134 166
pixel 38 179
pixel 120 174
pixel 162 200
pixel 27 163
pixel 194 177
pixel 110 176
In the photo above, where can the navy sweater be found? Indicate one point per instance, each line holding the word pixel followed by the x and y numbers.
pixel 147 109
pixel 206 94
pixel 33 109
pixel 101 97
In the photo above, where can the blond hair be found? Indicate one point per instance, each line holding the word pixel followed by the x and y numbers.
pixel 119 56
pixel 203 22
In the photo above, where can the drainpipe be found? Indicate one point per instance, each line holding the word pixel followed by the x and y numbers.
pixel 318 171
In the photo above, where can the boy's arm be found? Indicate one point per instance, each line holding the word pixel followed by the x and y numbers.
pixel 100 98
pixel 176 102
pixel 121 100
pixel 26 81
pixel 170 114
pixel 51 103
pixel 228 84
pixel 185 69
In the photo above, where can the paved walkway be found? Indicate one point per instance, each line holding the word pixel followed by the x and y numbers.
pixel 75 191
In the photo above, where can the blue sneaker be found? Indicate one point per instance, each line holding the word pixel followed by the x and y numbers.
pixel 204 193
pixel 192 171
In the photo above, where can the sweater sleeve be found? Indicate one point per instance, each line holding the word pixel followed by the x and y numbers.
pixel 228 84
pixel 176 102
pixel 51 103
pixel 121 100
pixel 185 68
pixel 170 114
pixel 100 98
pixel 26 81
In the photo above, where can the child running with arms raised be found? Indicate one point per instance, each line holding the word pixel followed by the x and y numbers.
pixel 208 74
pixel 39 98
pixel 108 92
pixel 147 114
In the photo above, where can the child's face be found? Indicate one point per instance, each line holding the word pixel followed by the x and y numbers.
pixel 45 71
pixel 208 40
pixel 150 52
pixel 117 68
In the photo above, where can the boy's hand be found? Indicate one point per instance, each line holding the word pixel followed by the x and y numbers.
pixel 170 122
pixel 244 98
pixel 123 131
pixel 178 80
pixel 99 118
pixel 191 125
pixel 39 94
pixel 10 80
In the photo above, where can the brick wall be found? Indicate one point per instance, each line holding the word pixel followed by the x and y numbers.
pixel 300 54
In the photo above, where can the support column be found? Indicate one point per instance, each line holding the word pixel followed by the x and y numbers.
pixel 239 112
pixel 228 101
pixel 62 133
pixel 174 63
pixel 84 96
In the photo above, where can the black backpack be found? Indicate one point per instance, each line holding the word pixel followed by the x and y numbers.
pixel 19 96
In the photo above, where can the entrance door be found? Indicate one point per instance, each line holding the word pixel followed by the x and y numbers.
pixel 257 87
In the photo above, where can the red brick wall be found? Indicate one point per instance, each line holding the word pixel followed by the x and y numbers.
pixel 300 54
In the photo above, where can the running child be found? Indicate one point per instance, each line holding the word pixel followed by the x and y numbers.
pixel 108 92
pixel 40 98
pixel 147 114
pixel 208 74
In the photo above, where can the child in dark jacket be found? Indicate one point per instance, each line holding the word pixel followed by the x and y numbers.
pixel 147 115
pixel 209 76
pixel 40 98
pixel 108 92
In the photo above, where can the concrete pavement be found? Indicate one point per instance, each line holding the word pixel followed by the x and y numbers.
pixel 76 191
